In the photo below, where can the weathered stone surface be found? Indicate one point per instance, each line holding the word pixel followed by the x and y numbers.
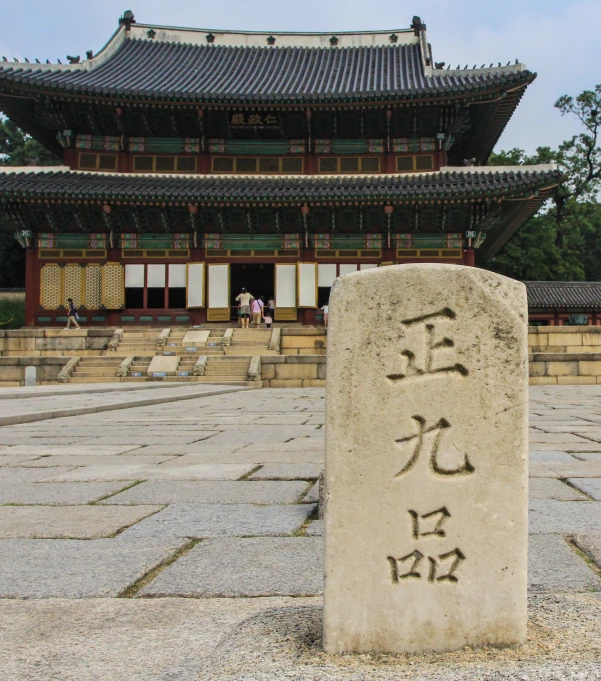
pixel 426 509
pixel 163 364
pixel 315 529
pixel 218 492
pixel 591 545
pixel 550 488
pixel 70 568
pixel 553 566
pixel 564 517
pixel 232 520
pixel 195 338
pixel 68 522
pixel 288 471
pixel 590 486
pixel 57 493
pixel 551 456
pixel 125 471
pixel 274 566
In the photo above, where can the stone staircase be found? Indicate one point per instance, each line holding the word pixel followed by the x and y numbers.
pixel 175 343
pixel 138 342
pixel 250 342
pixel 96 370
pixel 228 370
pixel 139 366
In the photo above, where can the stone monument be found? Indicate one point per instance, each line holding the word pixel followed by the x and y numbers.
pixel 426 460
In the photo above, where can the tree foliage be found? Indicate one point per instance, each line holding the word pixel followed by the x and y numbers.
pixel 17 149
pixel 563 241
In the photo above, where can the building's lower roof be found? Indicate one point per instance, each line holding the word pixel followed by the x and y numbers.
pixel 564 294
pixel 454 183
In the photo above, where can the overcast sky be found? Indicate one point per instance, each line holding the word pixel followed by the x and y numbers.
pixel 559 39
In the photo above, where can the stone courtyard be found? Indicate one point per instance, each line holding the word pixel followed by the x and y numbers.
pixel 172 534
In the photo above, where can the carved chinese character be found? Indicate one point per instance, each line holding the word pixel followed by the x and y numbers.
pixel 417 557
pixel 457 557
pixel 437 530
pixel 255 119
pixel 427 364
pixel 238 119
pixel 433 444
pixel 271 120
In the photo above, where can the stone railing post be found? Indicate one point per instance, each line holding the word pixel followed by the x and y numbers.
pixel 254 369
pixel 274 342
pixel 125 366
pixel 227 337
pixel 65 373
pixel 115 339
pixel 162 338
pixel 200 366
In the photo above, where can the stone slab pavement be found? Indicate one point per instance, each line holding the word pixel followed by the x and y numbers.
pixel 179 541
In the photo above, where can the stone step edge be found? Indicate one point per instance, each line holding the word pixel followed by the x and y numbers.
pixel 128 404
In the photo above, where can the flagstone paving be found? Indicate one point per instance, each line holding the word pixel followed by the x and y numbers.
pixel 179 541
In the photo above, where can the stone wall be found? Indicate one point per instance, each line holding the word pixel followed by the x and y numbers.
pixel 293 371
pixel 564 339
pixel 54 342
pixel 12 369
pixel 301 340
pixel 12 294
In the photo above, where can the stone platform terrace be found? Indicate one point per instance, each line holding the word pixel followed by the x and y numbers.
pixel 178 541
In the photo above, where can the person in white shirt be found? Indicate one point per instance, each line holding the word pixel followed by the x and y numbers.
pixel 256 309
pixel 324 309
pixel 244 299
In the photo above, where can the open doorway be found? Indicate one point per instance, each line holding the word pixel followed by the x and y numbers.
pixel 258 280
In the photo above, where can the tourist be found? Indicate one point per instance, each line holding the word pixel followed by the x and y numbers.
pixel 268 320
pixel 324 309
pixel 271 308
pixel 72 315
pixel 244 299
pixel 256 307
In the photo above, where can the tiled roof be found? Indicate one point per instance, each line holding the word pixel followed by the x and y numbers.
pixel 451 182
pixel 163 70
pixel 563 294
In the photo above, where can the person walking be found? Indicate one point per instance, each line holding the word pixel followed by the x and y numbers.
pixel 324 309
pixel 257 309
pixel 244 298
pixel 271 308
pixel 72 315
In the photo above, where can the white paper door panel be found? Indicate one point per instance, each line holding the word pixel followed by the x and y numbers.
pixel 219 288
pixel 367 266
pixel 195 292
pixel 307 284
pixel 156 276
pixel 177 276
pixel 134 276
pixel 326 275
pixel 347 268
pixel 285 285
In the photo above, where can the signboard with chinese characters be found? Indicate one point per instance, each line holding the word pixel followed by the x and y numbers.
pixel 426 461
pixel 254 119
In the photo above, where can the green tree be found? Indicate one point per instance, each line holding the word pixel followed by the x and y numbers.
pixel 563 241
pixel 17 149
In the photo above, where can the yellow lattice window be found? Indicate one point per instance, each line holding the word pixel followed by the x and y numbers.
pixel 73 284
pixel 93 287
pixel 51 288
pixel 113 286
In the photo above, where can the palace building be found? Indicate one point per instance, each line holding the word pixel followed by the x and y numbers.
pixel 196 162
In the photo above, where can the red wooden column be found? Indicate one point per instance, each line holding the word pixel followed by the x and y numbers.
pixel 32 285
pixel 470 257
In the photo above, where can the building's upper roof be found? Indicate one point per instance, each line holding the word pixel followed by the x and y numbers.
pixel 199 65
pixel 453 182
pixel 564 294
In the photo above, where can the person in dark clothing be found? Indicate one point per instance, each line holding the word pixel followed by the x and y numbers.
pixel 72 315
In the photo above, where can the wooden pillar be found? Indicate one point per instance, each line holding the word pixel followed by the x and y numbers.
pixel 32 285
pixel 470 257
